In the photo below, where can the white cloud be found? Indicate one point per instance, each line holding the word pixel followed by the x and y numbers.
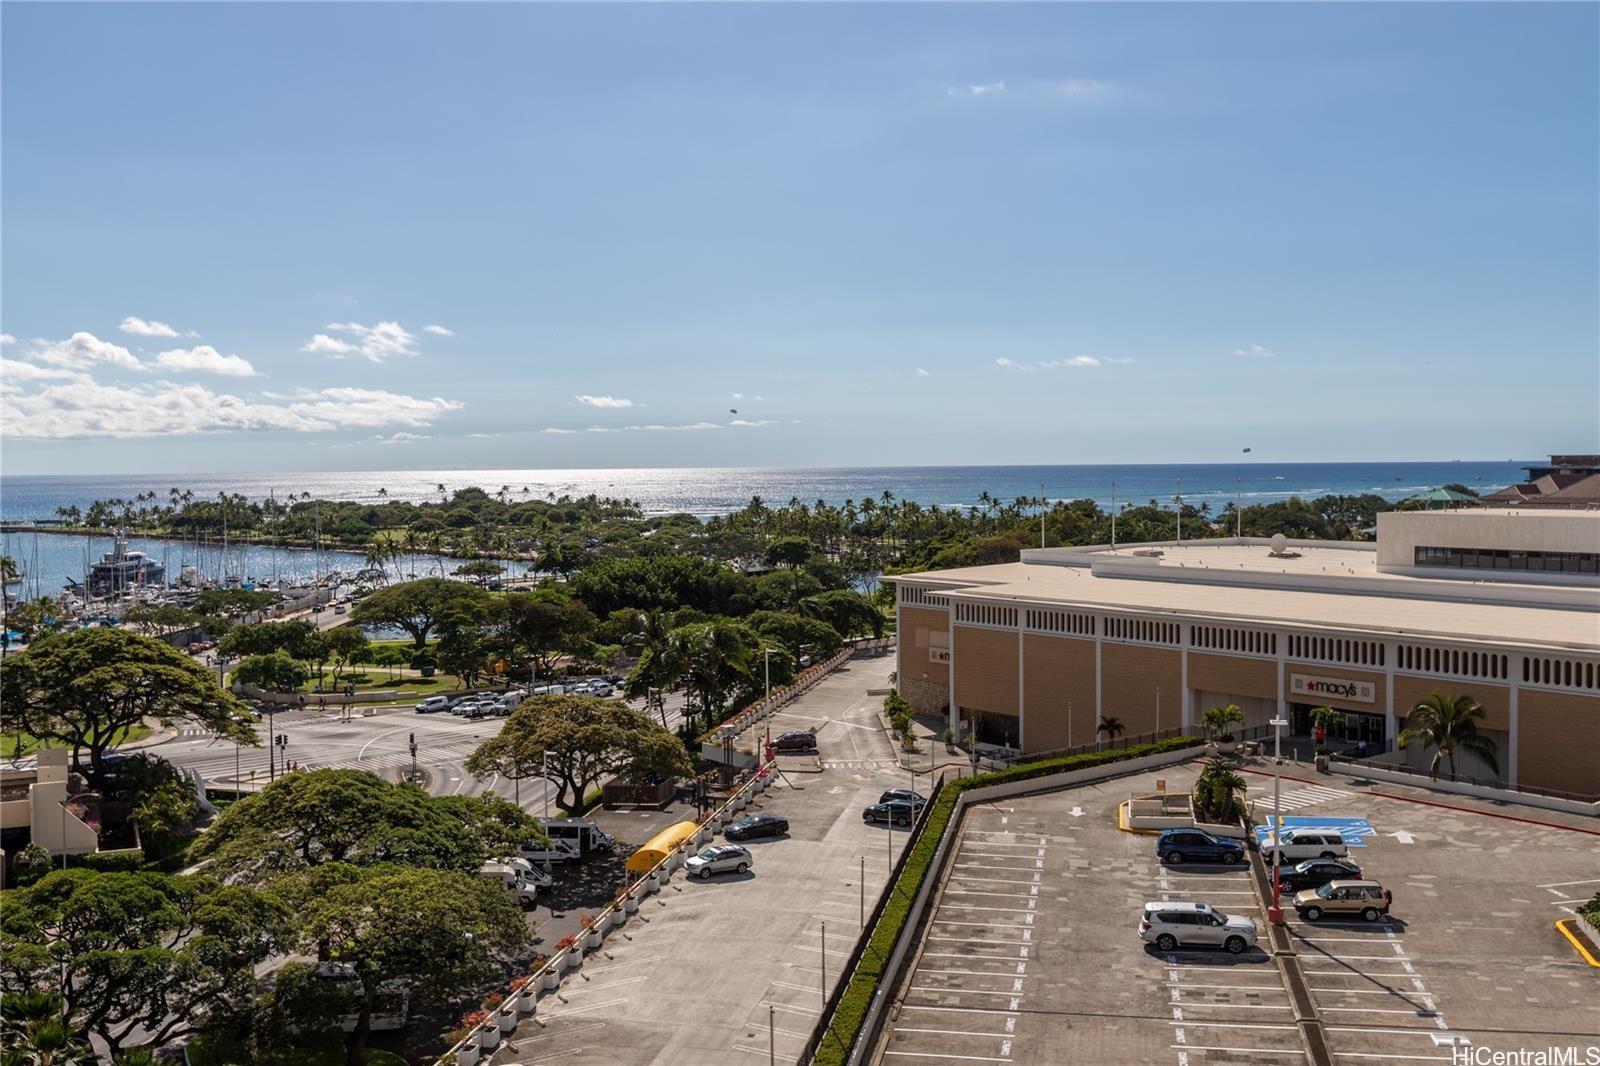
pixel 988 88
pixel 658 427
pixel 400 438
pixel 553 431
pixel 377 343
pixel 83 408
pixel 82 351
pixel 1069 361
pixel 921 373
pixel 485 436
pixel 745 422
pixel 6 338
pixel 737 396
pixel 604 401
pixel 16 372
pixel 327 345
pixel 438 331
pixel 205 359
pixel 151 328
pixel 1256 351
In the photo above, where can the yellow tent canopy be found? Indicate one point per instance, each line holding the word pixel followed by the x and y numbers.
pixel 660 846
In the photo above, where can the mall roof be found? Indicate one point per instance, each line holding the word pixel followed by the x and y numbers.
pixel 1335 586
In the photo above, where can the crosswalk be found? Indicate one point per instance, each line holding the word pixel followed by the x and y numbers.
pixel 859 764
pixel 1305 797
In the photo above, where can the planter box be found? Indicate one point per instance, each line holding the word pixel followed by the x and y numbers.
pixel 489 1037
pixel 551 978
pixel 1588 929
pixel 630 903
pixel 593 938
pixel 507 1018
pixel 528 1002
pixel 574 958
pixel 467 1054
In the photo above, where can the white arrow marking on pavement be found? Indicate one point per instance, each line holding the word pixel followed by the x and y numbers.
pixel 1403 837
pixel 1076 812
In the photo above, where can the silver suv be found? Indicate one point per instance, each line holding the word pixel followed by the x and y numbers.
pixel 718 859
pixel 1170 926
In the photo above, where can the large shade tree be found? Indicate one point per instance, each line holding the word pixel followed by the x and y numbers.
pixel 437 932
pixel 354 817
pixel 588 739
pixel 84 689
pixel 138 958
pixel 414 606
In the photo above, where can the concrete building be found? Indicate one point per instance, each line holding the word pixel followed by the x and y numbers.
pixel 1502 606
pixel 37 805
pixel 1565 481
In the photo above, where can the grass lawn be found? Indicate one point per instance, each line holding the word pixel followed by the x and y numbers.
pixel 8 742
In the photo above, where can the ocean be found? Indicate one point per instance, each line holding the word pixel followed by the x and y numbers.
pixel 50 560
pixel 706 491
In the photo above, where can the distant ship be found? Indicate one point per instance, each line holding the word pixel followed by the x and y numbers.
pixel 121 569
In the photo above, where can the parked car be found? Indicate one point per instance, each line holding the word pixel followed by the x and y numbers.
pixel 718 859
pixel 801 740
pixel 433 703
pixel 480 709
pixel 1177 846
pixel 1367 898
pixel 903 795
pixel 194 648
pixel 1314 873
pixel 1300 844
pixel 896 813
pixel 757 825
pixel 1170 926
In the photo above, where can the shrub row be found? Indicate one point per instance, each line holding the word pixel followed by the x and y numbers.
pixel 845 1026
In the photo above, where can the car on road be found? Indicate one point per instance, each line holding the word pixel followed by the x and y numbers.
pixel 1314 873
pixel 433 703
pixel 799 740
pixel 718 859
pixel 1177 846
pixel 903 795
pixel 1303 843
pixel 1172 925
pixel 757 825
pixel 895 813
pixel 1368 899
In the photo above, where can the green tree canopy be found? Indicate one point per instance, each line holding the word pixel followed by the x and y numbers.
pixel 849 613
pixel 414 606
pixel 83 689
pixel 354 817
pixel 275 672
pixel 480 570
pixel 147 957
pixel 439 933
pixel 788 551
pixel 589 740
pixel 298 638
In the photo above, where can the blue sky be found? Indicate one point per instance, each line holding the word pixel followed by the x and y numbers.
pixel 897 234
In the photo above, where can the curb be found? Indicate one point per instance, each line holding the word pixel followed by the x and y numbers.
pixel 1122 822
pixel 1564 927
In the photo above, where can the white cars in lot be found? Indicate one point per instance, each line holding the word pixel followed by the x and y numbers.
pixel 433 703
pixel 1172 925
pixel 1298 844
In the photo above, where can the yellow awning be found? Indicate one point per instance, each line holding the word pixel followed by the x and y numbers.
pixel 660 845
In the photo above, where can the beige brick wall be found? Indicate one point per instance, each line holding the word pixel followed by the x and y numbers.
pixel 1057 670
pixel 921 630
pixel 1494 699
pixel 1130 675
pixel 986 669
pixel 1559 746
pixel 1230 673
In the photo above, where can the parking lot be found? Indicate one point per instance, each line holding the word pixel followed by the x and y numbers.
pixel 1033 955
pixel 707 966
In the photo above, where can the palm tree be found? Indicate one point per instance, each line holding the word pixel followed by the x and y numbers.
pixel 37 1030
pixel 1111 727
pixel 1447 724
pixel 1325 718
pixel 650 676
pixel 1218 720
pixel 1219 793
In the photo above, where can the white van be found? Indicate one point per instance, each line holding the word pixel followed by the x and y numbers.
pixel 1300 844
pixel 570 839
pixel 525 889
pixel 433 703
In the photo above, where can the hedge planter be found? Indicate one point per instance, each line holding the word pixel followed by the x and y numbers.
pixel 467 1054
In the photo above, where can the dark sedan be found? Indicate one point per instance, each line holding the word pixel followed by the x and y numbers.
pixel 896 813
pixel 757 825
pixel 1314 873
pixel 903 795
pixel 800 740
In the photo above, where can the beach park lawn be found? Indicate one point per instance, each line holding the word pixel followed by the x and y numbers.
pixel 10 742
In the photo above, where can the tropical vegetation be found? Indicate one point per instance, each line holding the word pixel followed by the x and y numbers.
pixel 1446 725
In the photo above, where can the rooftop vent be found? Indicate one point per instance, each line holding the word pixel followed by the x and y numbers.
pixel 1149 553
pixel 1279 548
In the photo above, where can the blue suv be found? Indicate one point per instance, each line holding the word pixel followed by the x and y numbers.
pixel 1177 846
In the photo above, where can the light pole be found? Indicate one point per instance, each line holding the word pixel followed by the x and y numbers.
pixel 1275 912
pixel 1158 710
pixel 824 965
pixel 772 1038
pixel 413 746
pixel 863 892
pixel 766 670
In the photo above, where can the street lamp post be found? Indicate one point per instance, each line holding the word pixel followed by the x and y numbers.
pixel 544 772
pixel 1275 912
pixel 766 670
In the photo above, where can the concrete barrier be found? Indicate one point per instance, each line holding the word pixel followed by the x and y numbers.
pixel 1462 788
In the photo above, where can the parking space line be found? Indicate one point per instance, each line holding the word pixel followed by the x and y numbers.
pixel 974 892
pixel 959 991
pixel 1563 884
pixel 1420 1030
pixel 954 1032
pixel 1191 1004
pixel 1000 910
pixel 983 925
pixel 1005 844
pixel 792 1010
pixel 974 958
pixel 961 1010
pixel 1250 988
pixel 931 1055
pixel 1372 991
pixel 1235 1025
pixel 968 879
pixel 990 943
pixel 1005 974
pixel 1350 973
pixel 1390 1010
pixel 1239 1050
pixel 1375 1055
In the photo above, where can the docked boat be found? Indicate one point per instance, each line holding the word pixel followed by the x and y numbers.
pixel 120 569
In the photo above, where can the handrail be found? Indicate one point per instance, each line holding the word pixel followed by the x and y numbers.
pixel 1114 744
pixel 1477 782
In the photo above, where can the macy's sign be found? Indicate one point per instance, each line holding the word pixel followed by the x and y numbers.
pixel 1337 688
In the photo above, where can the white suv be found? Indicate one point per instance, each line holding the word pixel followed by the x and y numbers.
pixel 1170 926
pixel 1300 844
